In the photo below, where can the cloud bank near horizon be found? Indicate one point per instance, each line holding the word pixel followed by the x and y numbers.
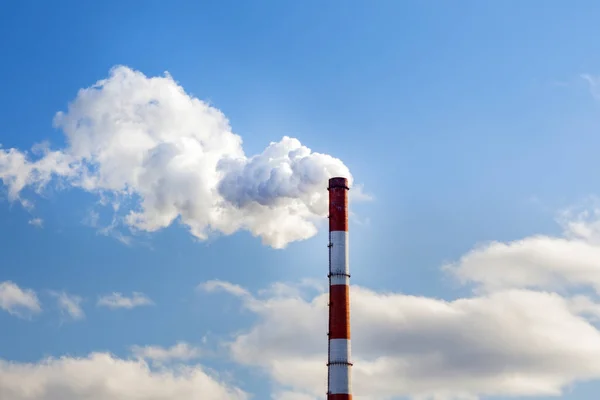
pixel 530 327
pixel 176 158
pixel 103 376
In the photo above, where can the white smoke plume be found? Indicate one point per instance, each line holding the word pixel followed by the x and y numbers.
pixel 176 157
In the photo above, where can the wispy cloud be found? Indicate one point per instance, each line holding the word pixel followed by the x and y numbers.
pixel 117 300
pixel 69 304
pixel 181 351
pixel 92 219
pixel 217 285
pixel 593 84
pixel 19 302
pixel 38 222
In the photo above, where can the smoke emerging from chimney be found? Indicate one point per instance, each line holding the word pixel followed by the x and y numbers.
pixel 145 142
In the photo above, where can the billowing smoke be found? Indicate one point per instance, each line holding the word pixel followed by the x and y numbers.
pixel 146 139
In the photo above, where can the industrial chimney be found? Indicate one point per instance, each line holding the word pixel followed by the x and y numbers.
pixel 339 385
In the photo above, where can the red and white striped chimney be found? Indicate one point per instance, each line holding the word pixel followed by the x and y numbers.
pixel 339 385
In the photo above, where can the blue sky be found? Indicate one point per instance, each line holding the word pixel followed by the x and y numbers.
pixel 466 123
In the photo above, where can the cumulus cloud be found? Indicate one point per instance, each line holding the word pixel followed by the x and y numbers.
pixel 558 263
pixel 181 351
pixel 69 304
pixel 530 329
pixel 101 376
pixel 511 342
pixel 117 300
pixel 175 157
pixel 19 302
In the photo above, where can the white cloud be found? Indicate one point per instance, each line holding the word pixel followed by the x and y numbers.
pixel 19 302
pixel 37 222
pixel 117 300
pixel 593 84
pixel 512 338
pixel 216 285
pixel 101 376
pixel 181 351
pixel 558 263
pixel 286 395
pixel 69 304
pixel 137 138
pixel 508 343
pixel 17 172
